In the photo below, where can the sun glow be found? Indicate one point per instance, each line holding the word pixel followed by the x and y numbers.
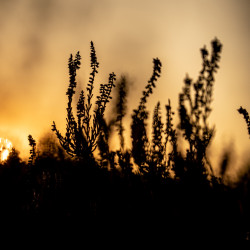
pixel 5 147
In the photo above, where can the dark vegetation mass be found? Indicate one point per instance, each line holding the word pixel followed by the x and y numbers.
pixel 154 185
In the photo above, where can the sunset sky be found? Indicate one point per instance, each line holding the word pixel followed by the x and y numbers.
pixel 37 37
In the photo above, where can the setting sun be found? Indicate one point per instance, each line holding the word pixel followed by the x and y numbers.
pixel 5 147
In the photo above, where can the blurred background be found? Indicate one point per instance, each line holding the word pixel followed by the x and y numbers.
pixel 37 37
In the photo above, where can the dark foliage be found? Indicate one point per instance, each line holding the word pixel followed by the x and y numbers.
pixel 171 196
pixel 32 144
pixel 121 108
pixel 139 118
pixel 195 109
pixel 171 137
pixel 246 118
pixel 81 136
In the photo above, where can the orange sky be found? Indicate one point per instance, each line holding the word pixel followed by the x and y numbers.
pixel 38 36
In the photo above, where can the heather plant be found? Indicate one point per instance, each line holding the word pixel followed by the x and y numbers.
pixel 57 189
pixel 33 152
pixel 82 133
pixel 103 144
pixel 156 154
pixel 124 155
pixel 120 158
pixel 245 114
pixel 121 109
pixel 195 107
pixel 140 143
pixel 173 157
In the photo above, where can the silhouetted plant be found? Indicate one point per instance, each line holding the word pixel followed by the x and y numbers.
pixel 172 159
pixel 58 189
pixel 33 153
pixel 121 108
pixel 194 109
pixel 82 135
pixel 156 165
pixel 245 114
pixel 103 144
pixel 140 115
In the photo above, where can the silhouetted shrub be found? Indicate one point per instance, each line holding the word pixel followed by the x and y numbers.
pixel 194 110
pixel 171 194
pixel 139 118
pixel 82 134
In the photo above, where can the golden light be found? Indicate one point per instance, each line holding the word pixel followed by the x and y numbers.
pixel 5 148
